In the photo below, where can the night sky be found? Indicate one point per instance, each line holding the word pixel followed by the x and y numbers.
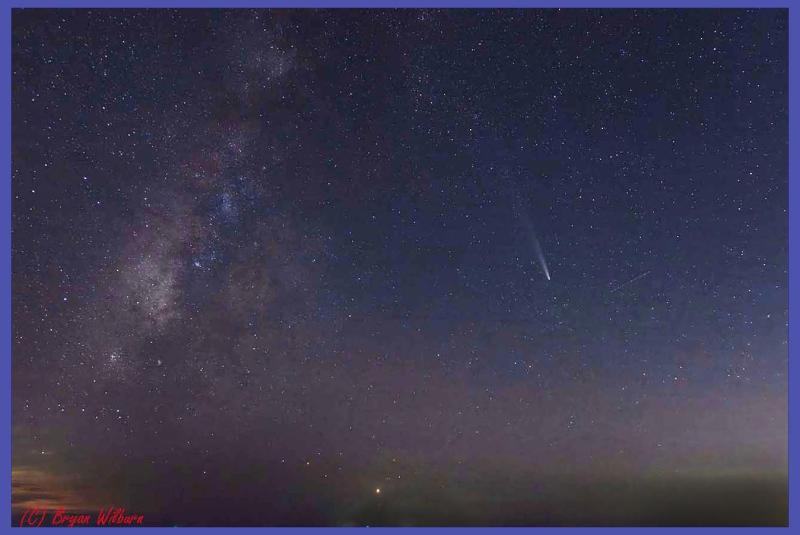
pixel 401 267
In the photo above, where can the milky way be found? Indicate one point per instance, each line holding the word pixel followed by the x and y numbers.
pixel 268 262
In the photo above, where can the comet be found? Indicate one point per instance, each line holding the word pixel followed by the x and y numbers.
pixel 539 255
pixel 537 248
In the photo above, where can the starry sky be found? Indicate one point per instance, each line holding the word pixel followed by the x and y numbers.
pixel 400 267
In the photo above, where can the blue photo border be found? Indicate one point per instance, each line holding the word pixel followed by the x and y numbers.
pixel 6 7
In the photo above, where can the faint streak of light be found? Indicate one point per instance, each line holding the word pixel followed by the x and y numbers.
pixel 537 248
pixel 539 254
pixel 621 286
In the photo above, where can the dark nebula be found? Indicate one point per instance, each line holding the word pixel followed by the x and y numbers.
pixel 401 267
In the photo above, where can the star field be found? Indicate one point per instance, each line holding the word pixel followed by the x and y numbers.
pixel 400 267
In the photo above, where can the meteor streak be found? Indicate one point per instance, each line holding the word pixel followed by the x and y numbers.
pixel 621 286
